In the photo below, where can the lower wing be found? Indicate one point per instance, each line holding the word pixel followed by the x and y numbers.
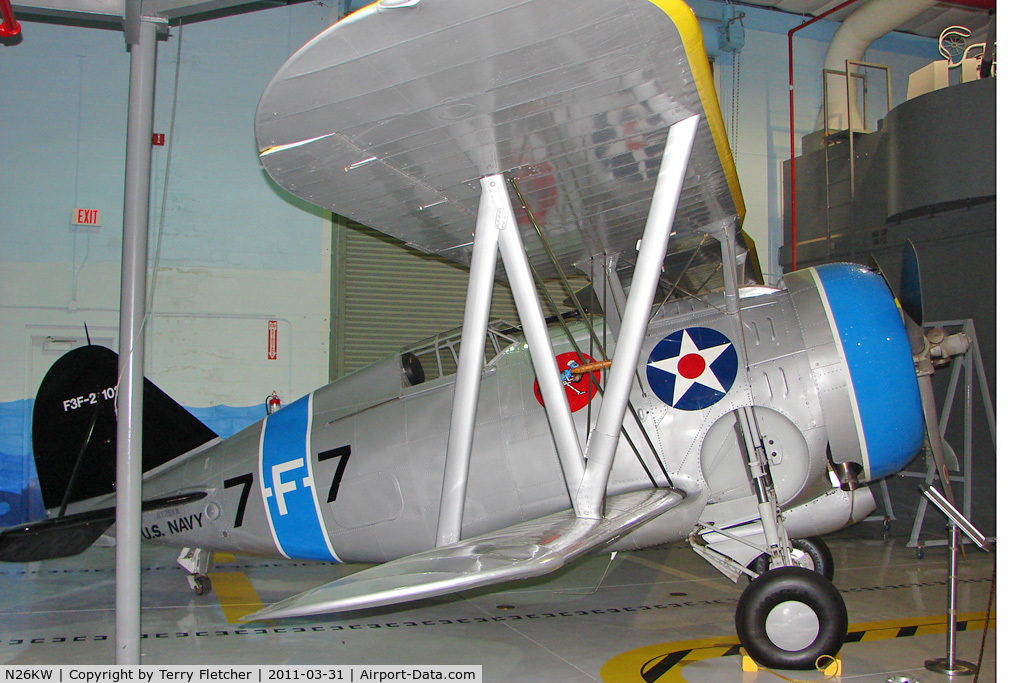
pixel 522 551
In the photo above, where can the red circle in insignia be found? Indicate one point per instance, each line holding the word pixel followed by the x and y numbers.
pixel 691 366
pixel 577 392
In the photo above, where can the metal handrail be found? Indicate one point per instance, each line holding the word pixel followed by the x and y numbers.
pixel 827 131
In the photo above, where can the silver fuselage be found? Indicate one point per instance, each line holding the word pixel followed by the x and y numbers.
pixel 353 471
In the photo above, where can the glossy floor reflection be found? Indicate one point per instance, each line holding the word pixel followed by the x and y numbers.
pixel 652 615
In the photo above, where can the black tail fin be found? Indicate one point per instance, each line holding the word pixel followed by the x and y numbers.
pixel 74 427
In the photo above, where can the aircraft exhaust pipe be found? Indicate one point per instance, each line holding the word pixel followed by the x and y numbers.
pixel 849 475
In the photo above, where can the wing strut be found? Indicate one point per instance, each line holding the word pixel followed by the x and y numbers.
pixel 654 244
pixel 471 359
pixel 496 227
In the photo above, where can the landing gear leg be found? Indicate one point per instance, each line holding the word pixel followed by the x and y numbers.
pixel 196 561
pixel 779 547
pixel 789 616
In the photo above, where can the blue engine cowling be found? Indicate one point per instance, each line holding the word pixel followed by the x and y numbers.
pixel 862 367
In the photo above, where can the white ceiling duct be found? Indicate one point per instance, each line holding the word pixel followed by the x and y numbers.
pixel 867 24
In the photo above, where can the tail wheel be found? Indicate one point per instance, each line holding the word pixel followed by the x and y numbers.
pixel 200 583
pixel 789 617
pixel 809 553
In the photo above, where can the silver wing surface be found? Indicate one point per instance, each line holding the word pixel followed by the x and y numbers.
pixel 391 116
pixel 522 551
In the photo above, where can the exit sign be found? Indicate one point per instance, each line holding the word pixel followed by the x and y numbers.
pixel 87 217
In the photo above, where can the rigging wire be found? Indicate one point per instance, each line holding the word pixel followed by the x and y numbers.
pixel 590 312
pixel 674 287
pixel 734 113
pixel 593 337
pixel 558 267
pixel 683 272
pixel 167 174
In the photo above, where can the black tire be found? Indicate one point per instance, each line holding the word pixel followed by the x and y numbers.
pixel 810 621
pixel 203 584
pixel 813 547
pixel 819 554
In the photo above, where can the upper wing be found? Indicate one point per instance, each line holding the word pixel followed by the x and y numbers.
pixel 391 116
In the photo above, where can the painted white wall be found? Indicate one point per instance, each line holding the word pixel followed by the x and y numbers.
pixel 230 250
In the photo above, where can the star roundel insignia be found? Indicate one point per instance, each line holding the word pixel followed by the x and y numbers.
pixel 692 368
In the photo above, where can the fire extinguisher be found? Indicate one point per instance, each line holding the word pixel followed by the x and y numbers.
pixel 272 402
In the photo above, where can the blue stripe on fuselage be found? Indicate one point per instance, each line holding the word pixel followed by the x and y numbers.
pixel 880 364
pixel 289 495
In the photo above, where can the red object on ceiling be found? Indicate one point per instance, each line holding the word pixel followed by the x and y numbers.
pixel 972 4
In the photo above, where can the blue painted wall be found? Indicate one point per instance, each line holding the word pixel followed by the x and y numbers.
pixel 20 499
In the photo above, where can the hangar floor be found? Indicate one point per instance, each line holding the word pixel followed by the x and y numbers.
pixel 662 612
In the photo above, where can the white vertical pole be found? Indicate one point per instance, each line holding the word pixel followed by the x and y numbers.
pixel 493 214
pixel 128 563
pixel 605 437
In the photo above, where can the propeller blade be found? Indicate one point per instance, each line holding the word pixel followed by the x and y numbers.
pixel 952 461
pixel 935 442
pixel 877 267
pixel 911 303
pixel 915 334
pixel 910 284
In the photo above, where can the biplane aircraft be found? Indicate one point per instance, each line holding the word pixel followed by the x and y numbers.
pixel 685 400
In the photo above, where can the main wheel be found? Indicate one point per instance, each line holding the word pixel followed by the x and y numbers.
pixel 789 617
pixel 809 553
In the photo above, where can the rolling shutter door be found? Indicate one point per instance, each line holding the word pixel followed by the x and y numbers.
pixel 386 296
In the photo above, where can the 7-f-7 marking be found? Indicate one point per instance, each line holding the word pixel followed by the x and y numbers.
pixel 343 453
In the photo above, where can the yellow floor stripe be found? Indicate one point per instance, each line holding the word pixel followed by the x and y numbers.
pixel 236 595
pixel 932 629
pixel 881 634
pixel 974 620
pixel 632 665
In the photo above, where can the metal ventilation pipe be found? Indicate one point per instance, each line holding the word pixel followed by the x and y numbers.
pixel 864 26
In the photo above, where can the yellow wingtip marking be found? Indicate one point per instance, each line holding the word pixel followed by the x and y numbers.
pixel 693 44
